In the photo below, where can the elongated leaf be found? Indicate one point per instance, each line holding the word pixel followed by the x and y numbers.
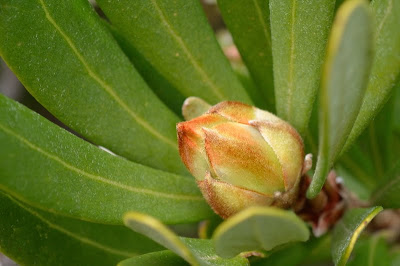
pixel 157 82
pixel 386 65
pixel 371 251
pixel 71 64
pixel 258 228
pixel 343 84
pixel 174 37
pixel 248 22
pixel 347 231
pixel 388 193
pixel 299 35
pixel 194 251
pixel 165 258
pixel 33 237
pixel 49 168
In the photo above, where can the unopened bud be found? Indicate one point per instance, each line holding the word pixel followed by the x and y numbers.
pixel 242 156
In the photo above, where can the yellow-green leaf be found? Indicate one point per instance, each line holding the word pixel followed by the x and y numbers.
pixel 194 251
pixel 344 80
pixel 258 228
pixel 386 64
pixel 347 231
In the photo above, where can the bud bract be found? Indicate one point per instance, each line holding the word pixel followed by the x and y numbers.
pixel 242 156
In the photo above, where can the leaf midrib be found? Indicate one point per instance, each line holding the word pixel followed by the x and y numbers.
pixel 188 54
pixel 262 22
pixel 73 235
pixel 291 67
pixel 104 85
pixel 97 177
pixel 386 15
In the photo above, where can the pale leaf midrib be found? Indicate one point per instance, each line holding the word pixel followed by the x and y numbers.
pixel 262 22
pixel 97 177
pixel 188 54
pixel 291 63
pixel 73 235
pixel 104 85
pixel 384 19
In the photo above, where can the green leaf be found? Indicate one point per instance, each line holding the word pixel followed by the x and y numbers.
pixel 299 35
pixel 258 228
pixel 388 193
pixel 47 167
pixel 156 81
pixel 370 251
pixel 347 231
pixel 33 237
pixel 355 177
pixel 308 253
pixel 71 64
pixel 386 64
pixel 174 37
pixel 194 251
pixel 164 258
pixel 343 84
pixel 248 22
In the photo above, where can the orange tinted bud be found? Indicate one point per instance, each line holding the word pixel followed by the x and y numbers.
pixel 242 156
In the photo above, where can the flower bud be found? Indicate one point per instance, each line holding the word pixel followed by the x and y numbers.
pixel 242 156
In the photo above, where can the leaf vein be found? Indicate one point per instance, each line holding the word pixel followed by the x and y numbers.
pixel 104 85
pixel 188 54
pixel 97 177
pixel 386 15
pixel 263 24
pixel 291 67
pixel 73 235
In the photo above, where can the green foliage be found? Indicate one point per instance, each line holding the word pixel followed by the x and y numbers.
pixel 174 37
pixel 70 63
pixel 194 251
pixel 258 228
pixel 166 258
pixel 348 230
pixel 119 81
pixel 371 251
pixel 66 175
pixel 25 232
pixel 343 84
pixel 386 65
pixel 299 35
pixel 249 24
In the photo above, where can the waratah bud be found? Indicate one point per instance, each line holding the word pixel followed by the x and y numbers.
pixel 242 156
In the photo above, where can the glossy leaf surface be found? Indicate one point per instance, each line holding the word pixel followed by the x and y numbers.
pixel 33 237
pixel 175 39
pixel 299 35
pixel 371 251
pixel 343 84
pixel 386 64
pixel 347 231
pixel 47 167
pixel 248 22
pixel 165 258
pixel 258 228
pixel 194 251
pixel 70 63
